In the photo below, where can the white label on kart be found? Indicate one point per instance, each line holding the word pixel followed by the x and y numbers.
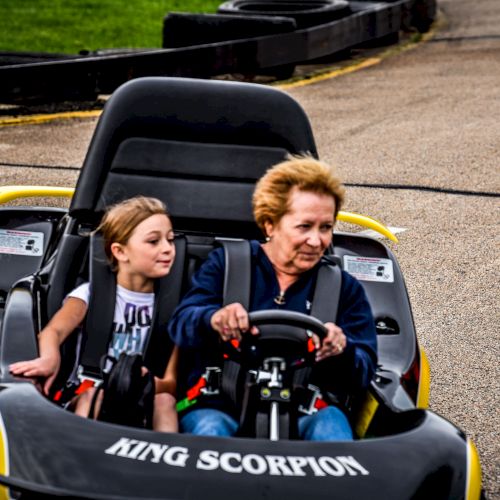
pixel 369 268
pixel 21 242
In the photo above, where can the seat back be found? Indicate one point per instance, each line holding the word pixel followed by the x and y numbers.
pixel 197 145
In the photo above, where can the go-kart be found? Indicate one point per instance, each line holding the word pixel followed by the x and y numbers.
pixel 200 146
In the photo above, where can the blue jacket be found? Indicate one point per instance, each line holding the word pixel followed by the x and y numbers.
pixel 190 323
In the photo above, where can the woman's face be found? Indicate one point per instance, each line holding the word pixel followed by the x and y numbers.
pixel 300 238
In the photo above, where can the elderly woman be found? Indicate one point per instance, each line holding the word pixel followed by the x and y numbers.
pixel 295 205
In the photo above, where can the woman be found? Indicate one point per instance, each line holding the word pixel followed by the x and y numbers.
pixel 295 204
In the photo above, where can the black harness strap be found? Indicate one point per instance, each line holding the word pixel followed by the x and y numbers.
pixel 99 320
pixel 237 275
pixel 237 286
pixel 325 305
pixel 168 292
pixel 326 297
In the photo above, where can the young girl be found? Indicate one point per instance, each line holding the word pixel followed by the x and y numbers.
pixel 139 243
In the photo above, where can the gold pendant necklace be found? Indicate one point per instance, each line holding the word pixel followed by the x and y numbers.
pixel 280 299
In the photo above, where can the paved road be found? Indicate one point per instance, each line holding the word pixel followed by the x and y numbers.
pixel 425 117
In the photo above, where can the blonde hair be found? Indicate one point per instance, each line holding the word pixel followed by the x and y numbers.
pixel 272 192
pixel 120 220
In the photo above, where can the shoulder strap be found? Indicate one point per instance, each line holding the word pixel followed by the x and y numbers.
pixel 99 320
pixel 237 275
pixel 237 284
pixel 327 292
pixel 168 292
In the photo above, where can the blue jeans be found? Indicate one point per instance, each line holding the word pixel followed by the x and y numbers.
pixel 329 424
pixel 208 422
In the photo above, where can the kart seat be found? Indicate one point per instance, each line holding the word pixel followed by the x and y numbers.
pixel 197 145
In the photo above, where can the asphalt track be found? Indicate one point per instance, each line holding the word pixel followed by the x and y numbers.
pixel 427 118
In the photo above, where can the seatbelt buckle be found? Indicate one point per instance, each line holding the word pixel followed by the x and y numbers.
pixel 88 380
pixel 212 378
pixel 75 386
pixel 314 401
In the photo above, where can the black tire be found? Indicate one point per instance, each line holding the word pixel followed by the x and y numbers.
pixel 306 13
pixel 423 14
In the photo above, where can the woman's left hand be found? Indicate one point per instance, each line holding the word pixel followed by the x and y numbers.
pixel 230 321
pixel 333 344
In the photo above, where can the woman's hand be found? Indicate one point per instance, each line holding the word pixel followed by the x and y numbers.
pixel 46 367
pixel 230 321
pixel 333 344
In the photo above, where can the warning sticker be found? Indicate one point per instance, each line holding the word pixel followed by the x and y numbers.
pixel 21 242
pixel 369 268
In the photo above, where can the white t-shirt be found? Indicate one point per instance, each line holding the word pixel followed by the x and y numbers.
pixel 132 320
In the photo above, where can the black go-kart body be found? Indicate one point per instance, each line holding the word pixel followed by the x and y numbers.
pixel 200 146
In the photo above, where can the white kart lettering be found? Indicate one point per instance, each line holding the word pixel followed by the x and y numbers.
pixel 225 462
pixel 122 447
pixel 176 456
pixel 138 448
pixel 279 465
pixel 297 464
pixel 318 471
pixel 331 466
pixel 254 464
pixel 352 465
pixel 235 463
pixel 152 452
pixel 208 460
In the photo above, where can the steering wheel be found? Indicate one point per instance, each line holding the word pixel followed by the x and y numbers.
pixel 287 318
pixel 284 345
pixel 284 334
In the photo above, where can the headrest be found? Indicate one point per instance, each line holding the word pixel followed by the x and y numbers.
pixel 198 145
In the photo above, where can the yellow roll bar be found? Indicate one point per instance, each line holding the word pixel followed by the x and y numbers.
pixel 9 193
pixel 365 221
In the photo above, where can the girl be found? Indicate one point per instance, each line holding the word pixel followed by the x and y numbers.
pixel 139 243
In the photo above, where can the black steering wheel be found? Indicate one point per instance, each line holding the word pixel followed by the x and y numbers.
pixel 287 318
pixel 274 361
pixel 285 334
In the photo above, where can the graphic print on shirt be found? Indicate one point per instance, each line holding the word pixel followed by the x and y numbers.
pixel 130 331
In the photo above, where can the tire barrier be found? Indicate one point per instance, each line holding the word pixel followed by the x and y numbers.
pixel 183 30
pixel 248 37
pixel 305 13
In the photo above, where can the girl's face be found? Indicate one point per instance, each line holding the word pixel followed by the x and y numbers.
pixel 150 251
pixel 301 236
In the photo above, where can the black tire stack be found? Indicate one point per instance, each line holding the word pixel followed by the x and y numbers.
pixel 306 13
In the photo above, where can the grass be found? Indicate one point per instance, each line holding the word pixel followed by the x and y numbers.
pixel 70 26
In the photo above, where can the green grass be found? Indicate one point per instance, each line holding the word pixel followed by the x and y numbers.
pixel 69 26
